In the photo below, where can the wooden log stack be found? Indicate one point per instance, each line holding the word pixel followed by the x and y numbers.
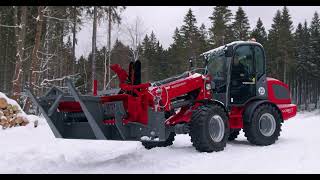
pixel 9 115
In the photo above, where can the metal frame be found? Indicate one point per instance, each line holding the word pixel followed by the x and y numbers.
pixel 93 111
pixel 96 128
pixel 52 126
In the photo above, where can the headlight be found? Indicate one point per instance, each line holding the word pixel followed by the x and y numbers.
pixel 208 86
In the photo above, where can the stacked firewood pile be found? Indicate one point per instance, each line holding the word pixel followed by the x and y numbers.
pixel 9 115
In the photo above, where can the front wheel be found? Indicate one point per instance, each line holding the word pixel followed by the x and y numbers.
pixel 264 127
pixel 209 128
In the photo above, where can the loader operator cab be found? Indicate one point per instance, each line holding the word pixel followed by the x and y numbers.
pixel 237 71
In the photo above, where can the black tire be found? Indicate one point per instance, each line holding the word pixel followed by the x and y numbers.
pixel 252 130
pixel 168 142
pixel 200 131
pixel 233 134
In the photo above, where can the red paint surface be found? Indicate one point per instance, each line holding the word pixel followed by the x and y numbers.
pixel 287 110
pixel 69 106
pixel 95 87
pixel 271 94
pixel 236 117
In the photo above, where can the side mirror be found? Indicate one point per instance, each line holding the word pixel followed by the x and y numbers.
pixel 229 51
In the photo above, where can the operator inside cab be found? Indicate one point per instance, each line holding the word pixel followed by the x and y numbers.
pixel 239 71
pixel 239 75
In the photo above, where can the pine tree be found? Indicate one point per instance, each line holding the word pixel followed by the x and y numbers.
pixel 302 58
pixel 203 38
pixel 153 58
pixel 161 55
pixel 176 53
pixel 190 34
pixel 273 49
pixel 286 44
pixel 145 58
pixel 259 33
pixel 220 29
pixel 192 39
pixel 315 58
pixel 315 44
pixel 189 29
pixel 177 39
pixel 241 26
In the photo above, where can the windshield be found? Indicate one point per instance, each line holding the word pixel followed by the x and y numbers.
pixel 217 69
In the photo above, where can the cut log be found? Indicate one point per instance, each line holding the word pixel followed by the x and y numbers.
pixel 4 122
pixel 3 118
pixel 6 125
pixel 9 106
pixel 19 120
pixel 15 108
pixel 12 123
pixel 3 103
pixel 6 112
pixel 25 121
pixel 10 112
pixel 1 114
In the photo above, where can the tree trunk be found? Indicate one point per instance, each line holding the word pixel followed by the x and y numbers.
pixel 62 63
pixel 20 34
pixel 34 59
pixel 47 46
pixel 109 50
pixel 94 36
pixel 6 66
pixel 74 38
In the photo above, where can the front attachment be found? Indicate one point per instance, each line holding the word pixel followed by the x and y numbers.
pixel 70 115
pixel 74 116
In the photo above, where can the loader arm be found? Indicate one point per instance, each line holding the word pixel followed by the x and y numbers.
pixel 122 74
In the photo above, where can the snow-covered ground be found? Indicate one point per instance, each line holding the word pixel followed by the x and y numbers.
pixel 35 150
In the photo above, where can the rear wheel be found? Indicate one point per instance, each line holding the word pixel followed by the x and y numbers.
pixel 264 127
pixel 234 134
pixel 152 144
pixel 209 128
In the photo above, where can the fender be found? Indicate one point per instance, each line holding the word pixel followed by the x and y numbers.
pixel 213 101
pixel 251 106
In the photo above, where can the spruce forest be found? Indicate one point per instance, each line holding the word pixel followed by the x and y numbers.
pixel 38 48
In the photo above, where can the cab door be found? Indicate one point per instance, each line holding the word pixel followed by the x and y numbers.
pixel 261 77
pixel 243 75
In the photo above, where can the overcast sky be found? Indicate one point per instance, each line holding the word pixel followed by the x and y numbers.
pixel 164 19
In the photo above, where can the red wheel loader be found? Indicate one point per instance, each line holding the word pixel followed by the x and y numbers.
pixel 212 104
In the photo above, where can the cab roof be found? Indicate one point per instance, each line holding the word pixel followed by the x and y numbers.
pixel 220 50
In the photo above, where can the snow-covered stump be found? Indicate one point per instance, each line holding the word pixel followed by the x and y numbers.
pixel 11 114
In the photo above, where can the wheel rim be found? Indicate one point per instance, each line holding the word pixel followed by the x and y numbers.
pixel 216 128
pixel 267 124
